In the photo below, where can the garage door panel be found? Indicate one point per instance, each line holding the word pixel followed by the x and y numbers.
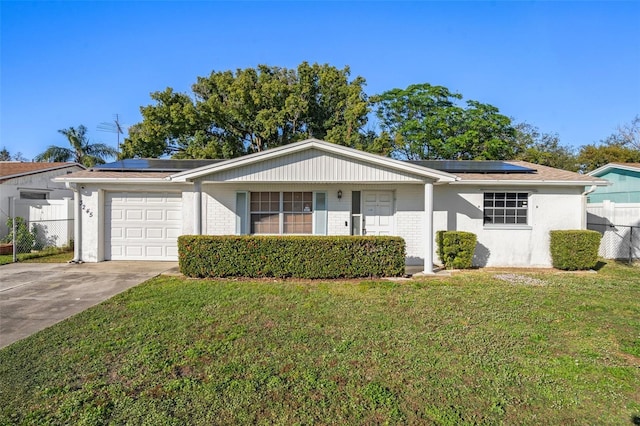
pixel 117 214
pixel 155 233
pixel 154 251
pixel 174 215
pixel 133 233
pixel 173 233
pixel 142 226
pixel 116 233
pixel 133 251
pixel 155 214
pixel 133 214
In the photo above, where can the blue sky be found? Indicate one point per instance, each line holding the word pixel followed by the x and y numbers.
pixel 571 68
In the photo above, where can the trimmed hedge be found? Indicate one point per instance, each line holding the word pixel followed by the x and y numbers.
pixel 291 256
pixel 455 248
pixel 574 249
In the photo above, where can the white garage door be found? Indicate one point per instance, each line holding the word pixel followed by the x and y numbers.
pixel 142 226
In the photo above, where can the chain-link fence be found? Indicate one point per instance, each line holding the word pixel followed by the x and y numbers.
pixel 24 236
pixel 620 242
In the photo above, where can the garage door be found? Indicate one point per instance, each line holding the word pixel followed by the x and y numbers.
pixel 142 226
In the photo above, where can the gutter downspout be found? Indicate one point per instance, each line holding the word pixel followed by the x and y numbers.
pixel 584 205
pixel 77 226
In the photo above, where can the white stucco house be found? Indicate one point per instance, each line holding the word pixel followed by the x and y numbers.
pixel 135 209
pixel 22 181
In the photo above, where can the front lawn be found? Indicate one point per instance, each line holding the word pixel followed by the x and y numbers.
pixel 476 348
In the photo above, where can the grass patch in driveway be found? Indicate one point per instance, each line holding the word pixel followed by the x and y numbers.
pixel 45 256
pixel 469 349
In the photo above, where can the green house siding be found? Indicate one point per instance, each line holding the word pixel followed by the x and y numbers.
pixel 624 188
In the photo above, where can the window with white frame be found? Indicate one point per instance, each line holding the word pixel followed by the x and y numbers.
pixel 506 208
pixel 281 212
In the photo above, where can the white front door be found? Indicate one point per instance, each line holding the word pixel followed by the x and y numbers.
pixel 142 226
pixel 378 212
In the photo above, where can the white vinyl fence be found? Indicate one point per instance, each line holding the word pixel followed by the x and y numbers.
pixel 619 224
pixel 42 223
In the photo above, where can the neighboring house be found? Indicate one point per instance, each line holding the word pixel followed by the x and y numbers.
pixel 614 210
pixel 625 183
pixel 135 209
pixel 31 181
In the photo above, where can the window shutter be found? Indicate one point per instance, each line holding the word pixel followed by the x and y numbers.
pixel 242 221
pixel 320 212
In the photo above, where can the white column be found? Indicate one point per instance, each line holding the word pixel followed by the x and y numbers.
pixel 428 228
pixel 77 224
pixel 197 207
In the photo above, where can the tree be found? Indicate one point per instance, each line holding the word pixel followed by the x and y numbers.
pixel 82 150
pixel 629 134
pixel 427 122
pixel 231 114
pixel 5 155
pixel 544 148
pixel 593 156
pixel 620 147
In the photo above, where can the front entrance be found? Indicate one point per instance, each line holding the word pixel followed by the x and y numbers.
pixel 378 213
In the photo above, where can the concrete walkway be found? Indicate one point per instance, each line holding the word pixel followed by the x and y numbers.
pixel 34 296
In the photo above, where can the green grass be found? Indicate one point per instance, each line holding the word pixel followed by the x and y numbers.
pixel 470 349
pixel 45 256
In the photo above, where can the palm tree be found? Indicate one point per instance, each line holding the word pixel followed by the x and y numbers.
pixel 81 151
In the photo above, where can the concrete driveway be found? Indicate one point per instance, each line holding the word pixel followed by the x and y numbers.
pixel 34 296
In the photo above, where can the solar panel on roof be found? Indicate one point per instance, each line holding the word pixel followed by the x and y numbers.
pixel 471 166
pixel 154 165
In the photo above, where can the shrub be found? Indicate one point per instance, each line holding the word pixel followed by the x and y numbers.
pixel 455 248
pixel 291 256
pixel 574 249
pixel 24 238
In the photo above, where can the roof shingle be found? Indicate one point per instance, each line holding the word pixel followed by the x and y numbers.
pixel 10 169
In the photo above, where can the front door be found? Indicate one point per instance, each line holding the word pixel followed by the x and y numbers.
pixel 378 213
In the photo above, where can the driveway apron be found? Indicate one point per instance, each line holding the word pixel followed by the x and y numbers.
pixel 34 296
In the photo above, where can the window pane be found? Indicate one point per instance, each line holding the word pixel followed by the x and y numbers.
pixel 505 207
pixel 355 203
pixel 297 223
pixel 265 224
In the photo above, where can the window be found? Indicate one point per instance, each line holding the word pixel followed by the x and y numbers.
pixel 281 212
pixel 508 208
pixel 33 195
pixel 356 216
